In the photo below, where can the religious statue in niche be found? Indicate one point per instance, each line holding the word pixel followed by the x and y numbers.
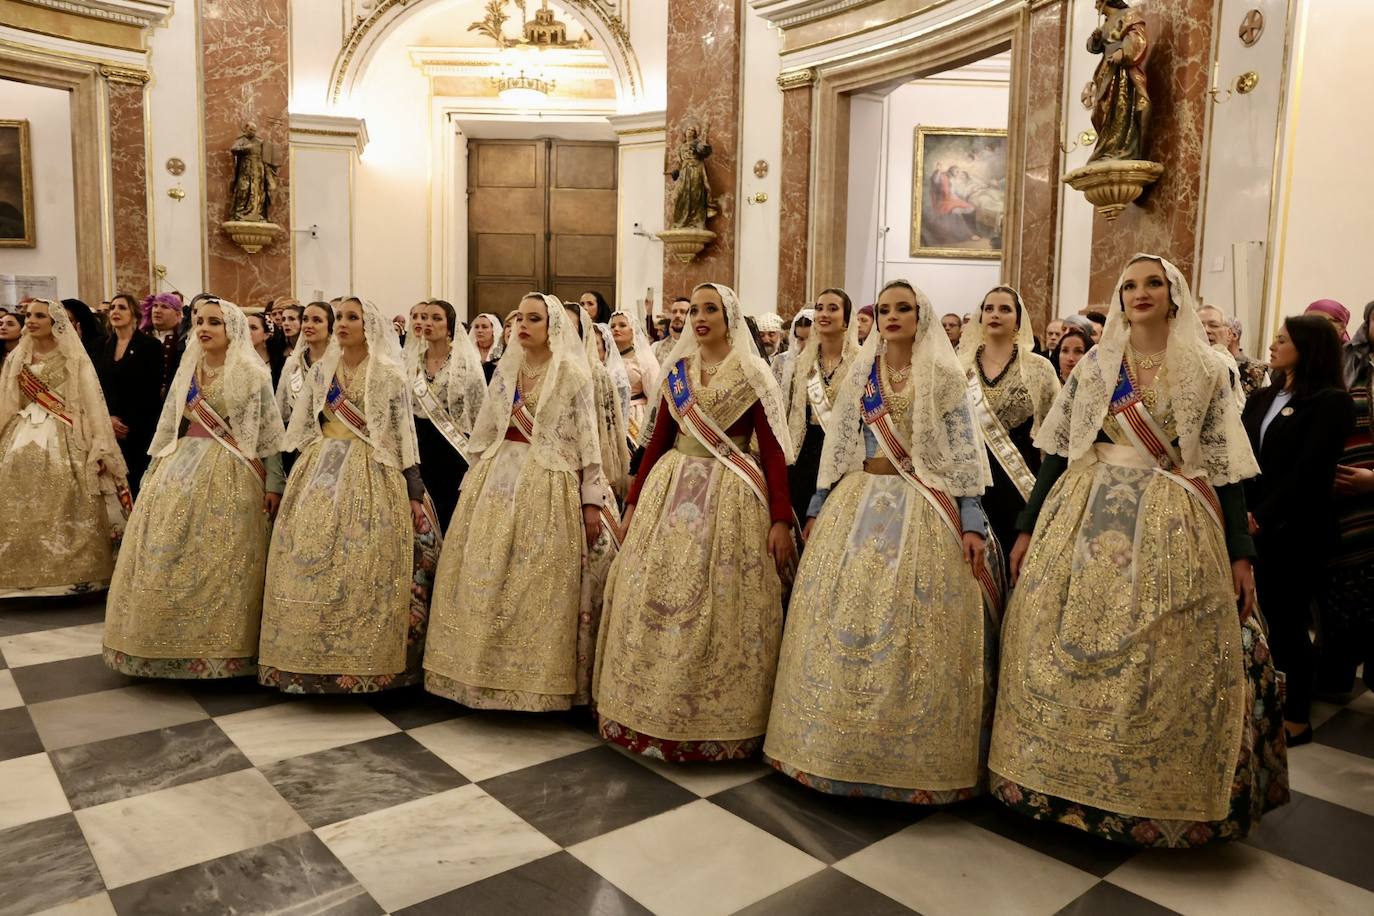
pixel 250 196
pixel 1118 95
pixel 1119 100
pixel 690 201
pixel 255 176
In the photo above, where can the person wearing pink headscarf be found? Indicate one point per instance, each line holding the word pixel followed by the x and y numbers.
pixel 1334 312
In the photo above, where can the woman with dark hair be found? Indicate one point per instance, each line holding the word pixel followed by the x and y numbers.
pixel 1298 428
pixel 595 305
pixel 1345 601
pixel 86 325
pixel 129 365
pixel 1012 390
pixel 1136 699
pixel 810 380
pixel 11 329
pixel 447 385
pixel 317 333
pixel 1073 344
pixel 261 335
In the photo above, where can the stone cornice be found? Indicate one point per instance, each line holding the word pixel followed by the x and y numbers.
pixel 141 13
pixel 329 130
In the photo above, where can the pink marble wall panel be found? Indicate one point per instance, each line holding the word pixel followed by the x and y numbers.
pixel 794 205
pixel 1165 222
pixel 704 60
pixel 129 186
pixel 245 58
pixel 1040 182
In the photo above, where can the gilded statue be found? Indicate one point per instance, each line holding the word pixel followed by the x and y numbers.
pixel 692 203
pixel 255 176
pixel 1118 96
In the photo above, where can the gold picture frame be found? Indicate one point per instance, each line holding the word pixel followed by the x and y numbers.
pixel 16 187
pixel 958 192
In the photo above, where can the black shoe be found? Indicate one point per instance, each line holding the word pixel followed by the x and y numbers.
pixel 1301 738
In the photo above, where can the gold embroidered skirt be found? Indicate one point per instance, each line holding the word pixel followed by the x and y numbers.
pixel 57 529
pixel 693 614
pixel 186 597
pixel 886 672
pixel 507 593
pixel 337 607
pixel 1122 683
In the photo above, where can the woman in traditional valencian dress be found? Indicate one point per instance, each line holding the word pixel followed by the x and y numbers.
pixel 206 509
pixel 637 352
pixel 612 387
pixel 1135 702
pixel 809 385
pixel 63 471
pixel 447 386
pixel 508 591
pixel 317 330
pixel 693 614
pixel 885 682
pixel 1012 389
pixel 353 553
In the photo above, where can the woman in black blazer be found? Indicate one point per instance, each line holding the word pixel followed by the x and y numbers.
pixel 1297 427
pixel 129 364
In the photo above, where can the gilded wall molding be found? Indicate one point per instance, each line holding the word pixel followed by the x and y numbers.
pixel 795 79
pixel 593 13
pixel 141 13
pixel 125 75
pixel 101 23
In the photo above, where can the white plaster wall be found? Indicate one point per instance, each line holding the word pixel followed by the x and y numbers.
pixel 867 211
pixel 1324 236
pixel 324 260
pixel 317 30
pixel 756 244
pixel 1241 157
pixel 953 285
pixel 640 204
pixel 1073 267
pixel 649 38
pixel 49 113
pixel 174 111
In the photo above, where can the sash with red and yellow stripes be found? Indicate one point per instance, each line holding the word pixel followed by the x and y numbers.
pixel 219 430
pixel 682 401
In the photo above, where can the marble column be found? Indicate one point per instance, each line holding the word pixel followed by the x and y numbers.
pixel 1166 220
pixel 1040 182
pixel 794 196
pixel 704 61
pixel 245 46
pixel 129 180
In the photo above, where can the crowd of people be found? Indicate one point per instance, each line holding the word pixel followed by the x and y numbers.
pixel 899 554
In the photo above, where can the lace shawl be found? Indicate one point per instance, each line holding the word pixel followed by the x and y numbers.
pixel 1211 438
pixel 944 440
pixel 1036 373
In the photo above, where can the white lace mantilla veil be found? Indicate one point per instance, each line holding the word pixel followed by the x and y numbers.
pixel 498 346
pixel 1044 385
pixel 245 385
pixel 756 371
pixel 464 384
pixel 644 354
pixel 565 436
pixel 614 363
pixel 785 362
pixel 798 374
pixel 610 401
pixel 945 442
pixel 295 360
pixel 91 418
pixel 386 393
pixel 1211 438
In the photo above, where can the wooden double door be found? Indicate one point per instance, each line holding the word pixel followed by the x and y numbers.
pixel 541 216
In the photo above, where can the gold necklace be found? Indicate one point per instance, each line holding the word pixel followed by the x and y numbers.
pixel 897 375
pixel 535 375
pixel 1149 360
pixel 713 368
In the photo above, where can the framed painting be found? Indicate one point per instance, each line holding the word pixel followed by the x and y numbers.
pixel 16 187
pixel 958 192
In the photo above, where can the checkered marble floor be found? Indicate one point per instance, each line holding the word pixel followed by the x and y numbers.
pixel 134 797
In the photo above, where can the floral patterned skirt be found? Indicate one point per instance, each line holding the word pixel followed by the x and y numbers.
pixel 344 534
pixel 1260 784
pixel 692 619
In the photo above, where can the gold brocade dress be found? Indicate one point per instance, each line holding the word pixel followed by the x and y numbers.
pixel 186 597
pixel 886 677
pixel 509 629
pixel 693 612
pixel 347 597
pixel 1132 703
pixel 66 548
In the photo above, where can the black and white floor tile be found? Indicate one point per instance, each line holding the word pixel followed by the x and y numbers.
pixel 132 797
